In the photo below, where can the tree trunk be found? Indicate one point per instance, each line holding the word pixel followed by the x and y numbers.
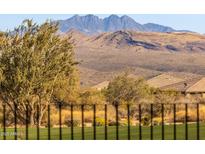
pixel 32 118
pixel 41 114
pixel 40 120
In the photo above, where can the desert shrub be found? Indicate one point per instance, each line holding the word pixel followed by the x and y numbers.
pixel 65 115
pixel 124 89
pixel 76 123
pixel 54 120
pixel 146 120
pixel 88 119
pixel 202 113
pixel 111 123
pixel 100 121
pixel 168 96
pixel 157 121
pixel 120 123
pixel 1 119
pixel 91 96
pixel 123 123
pixel 192 116
pixel 180 116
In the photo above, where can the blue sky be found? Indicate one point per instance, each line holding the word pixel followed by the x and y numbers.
pixel 183 21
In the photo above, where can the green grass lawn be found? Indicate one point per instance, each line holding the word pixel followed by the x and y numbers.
pixel 66 135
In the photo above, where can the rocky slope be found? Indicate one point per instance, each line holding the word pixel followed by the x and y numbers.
pixel 144 54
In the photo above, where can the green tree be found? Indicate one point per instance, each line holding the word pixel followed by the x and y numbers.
pixel 34 61
pixel 67 91
pixel 124 89
pixel 165 97
pixel 92 96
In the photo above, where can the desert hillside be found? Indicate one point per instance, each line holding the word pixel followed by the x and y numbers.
pixel 144 54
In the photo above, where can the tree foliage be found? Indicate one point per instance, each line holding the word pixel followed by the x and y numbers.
pixel 92 96
pixel 34 61
pixel 124 89
pixel 165 96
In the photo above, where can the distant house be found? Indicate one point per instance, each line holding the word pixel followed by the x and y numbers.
pixel 101 85
pixel 104 84
pixel 197 88
pixel 181 86
pixel 133 76
pixel 192 89
pixel 163 80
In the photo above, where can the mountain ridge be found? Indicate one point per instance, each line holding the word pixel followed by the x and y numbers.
pixel 142 41
pixel 92 24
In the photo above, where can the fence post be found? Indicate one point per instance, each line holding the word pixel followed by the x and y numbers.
pixel 4 121
pixel 71 110
pixel 37 124
pixel 105 121
pixel 94 122
pixel 186 121
pixel 198 125
pixel 60 121
pixel 26 121
pixel 49 123
pixel 15 121
pixel 162 107
pixel 151 127
pixel 117 122
pixel 140 120
pixel 175 133
pixel 128 121
pixel 82 118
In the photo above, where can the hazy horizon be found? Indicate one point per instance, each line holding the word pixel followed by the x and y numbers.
pixel 192 22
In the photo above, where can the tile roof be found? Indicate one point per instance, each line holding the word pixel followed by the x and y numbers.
pixel 101 85
pixel 163 80
pixel 182 86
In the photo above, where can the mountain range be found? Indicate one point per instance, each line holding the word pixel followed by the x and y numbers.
pixel 91 24
pixel 107 47
pixel 145 54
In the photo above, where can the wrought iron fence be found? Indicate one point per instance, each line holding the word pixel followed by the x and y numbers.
pixel 144 115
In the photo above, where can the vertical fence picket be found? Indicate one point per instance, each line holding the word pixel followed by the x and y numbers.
pixel 60 120
pixel 175 133
pixel 162 110
pixel 26 121
pixel 140 120
pixel 4 121
pixel 37 122
pixel 198 119
pixel 49 123
pixel 71 129
pixel 15 122
pixel 128 121
pixel 117 122
pixel 151 122
pixel 186 121
pixel 94 122
pixel 105 121
pixel 82 120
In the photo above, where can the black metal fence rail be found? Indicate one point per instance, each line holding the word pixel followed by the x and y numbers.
pixel 131 111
